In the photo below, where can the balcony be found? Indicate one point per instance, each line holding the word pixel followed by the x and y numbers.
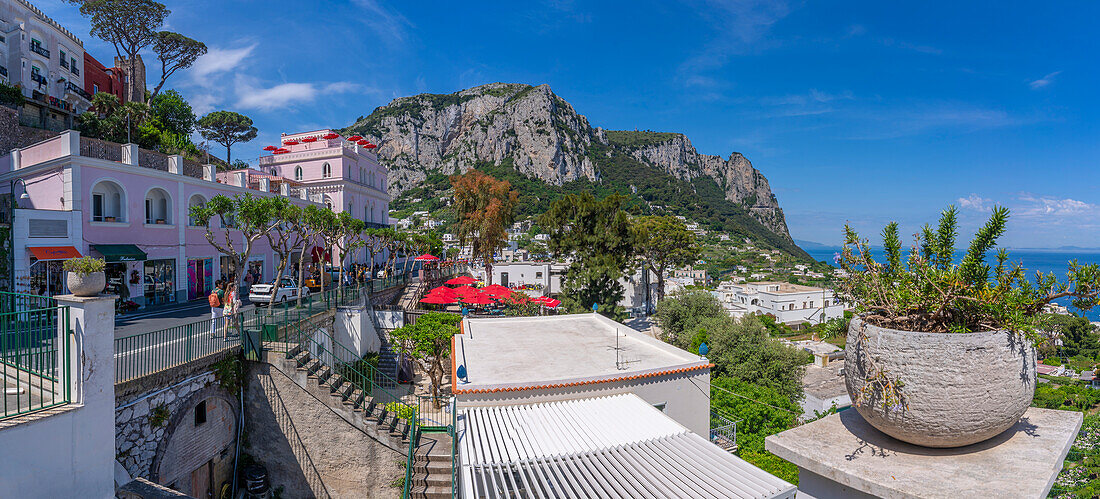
pixel 40 51
pixel 71 87
pixel 39 79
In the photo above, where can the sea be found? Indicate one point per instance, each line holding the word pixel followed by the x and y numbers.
pixel 1045 261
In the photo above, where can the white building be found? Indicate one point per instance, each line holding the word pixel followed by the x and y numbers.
pixel 544 359
pixel 43 58
pixel 788 303
pixel 545 276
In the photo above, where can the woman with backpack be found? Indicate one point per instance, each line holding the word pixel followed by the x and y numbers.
pixel 215 300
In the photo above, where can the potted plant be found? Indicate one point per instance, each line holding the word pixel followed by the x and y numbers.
pixel 85 275
pixel 108 219
pixel 941 353
pixel 161 221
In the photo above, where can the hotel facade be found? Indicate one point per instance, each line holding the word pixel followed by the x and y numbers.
pixel 78 196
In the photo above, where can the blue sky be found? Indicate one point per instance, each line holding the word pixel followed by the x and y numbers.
pixel 863 112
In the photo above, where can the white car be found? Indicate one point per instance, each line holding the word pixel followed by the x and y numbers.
pixel 288 290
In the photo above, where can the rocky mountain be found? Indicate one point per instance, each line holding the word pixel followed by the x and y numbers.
pixel 541 136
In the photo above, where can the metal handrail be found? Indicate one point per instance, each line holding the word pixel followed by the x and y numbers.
pixel 725 430
pixel 35 345
pixel 316 476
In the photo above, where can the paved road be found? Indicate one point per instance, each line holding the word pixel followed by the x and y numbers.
pixel 163 317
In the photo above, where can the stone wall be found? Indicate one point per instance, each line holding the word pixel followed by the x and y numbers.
pixel 301 441
pixel 13 135
pixel 141 430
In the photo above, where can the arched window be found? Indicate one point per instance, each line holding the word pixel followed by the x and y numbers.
pixel 157 202
pixel 108 201
pixel 367 214
pixel 326 170
pixel 362 176
pixel 196 200
pixel 328 202
pixel 297 173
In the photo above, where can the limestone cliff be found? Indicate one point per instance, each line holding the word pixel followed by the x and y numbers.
pixel 544 138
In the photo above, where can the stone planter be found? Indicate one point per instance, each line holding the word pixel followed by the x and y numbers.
pixel 959 389
pixel 86 284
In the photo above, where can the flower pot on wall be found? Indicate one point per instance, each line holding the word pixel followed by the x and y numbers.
pixel 955 389
pixel 108 219
pixel 86 284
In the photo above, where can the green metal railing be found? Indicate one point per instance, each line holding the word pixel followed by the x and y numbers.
pixel 432 415
pixel 34 356
pixel 146 353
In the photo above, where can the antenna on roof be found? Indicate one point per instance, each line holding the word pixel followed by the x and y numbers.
pixel 621 362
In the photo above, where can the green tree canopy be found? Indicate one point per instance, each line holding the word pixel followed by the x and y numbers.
pixel 128 25
pixel 173 112
pixel 175 52
pixel 428 341
pixel 227 128
pixel 596 235
pixel 663 243
pixel 680 314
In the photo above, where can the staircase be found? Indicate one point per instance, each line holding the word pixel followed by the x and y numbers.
pixel 387 364
pixel 431 474
pixel 356 392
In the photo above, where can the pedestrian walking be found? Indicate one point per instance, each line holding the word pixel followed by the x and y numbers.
pixel 232 305
pixel 215 299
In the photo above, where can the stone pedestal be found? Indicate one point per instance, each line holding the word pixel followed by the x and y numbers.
pixel 843 456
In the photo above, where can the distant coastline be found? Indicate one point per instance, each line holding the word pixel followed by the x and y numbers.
pixel 1032 259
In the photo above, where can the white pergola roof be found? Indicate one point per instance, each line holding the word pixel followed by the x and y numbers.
pixel 615 446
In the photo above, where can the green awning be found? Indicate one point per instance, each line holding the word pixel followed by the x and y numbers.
pixel 120 252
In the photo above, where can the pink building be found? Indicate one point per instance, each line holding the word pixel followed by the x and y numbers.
pixel 130 206
pixel 345 173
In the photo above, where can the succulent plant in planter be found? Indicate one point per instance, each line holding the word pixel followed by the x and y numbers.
pixel 942 353
pixel 85 275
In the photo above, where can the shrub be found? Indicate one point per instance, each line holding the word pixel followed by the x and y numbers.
pixel 929 292
pixel 84 265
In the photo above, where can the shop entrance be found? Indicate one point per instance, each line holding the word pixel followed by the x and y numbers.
pixel 200 277
pixel 160 282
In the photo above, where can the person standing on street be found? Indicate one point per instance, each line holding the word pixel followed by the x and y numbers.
pixel 216 298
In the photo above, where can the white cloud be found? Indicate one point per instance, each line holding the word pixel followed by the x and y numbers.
pixel 1044 81
pixel 203 103
pixel 219 60
pixel 738 26
pixel 390 25
pixel 252 96
pixel 1046 206
pixel 975 202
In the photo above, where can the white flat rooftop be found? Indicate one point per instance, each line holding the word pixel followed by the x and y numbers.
pixel 518 353
pixel 618 446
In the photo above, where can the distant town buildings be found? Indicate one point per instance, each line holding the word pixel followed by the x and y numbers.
pixel 789 303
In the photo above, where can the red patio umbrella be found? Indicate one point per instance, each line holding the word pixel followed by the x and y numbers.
pixel 329 136
pixel 461 280
pixel 478 299
pixel 497 291
pixel 370 146
pixel 443 290
pixel 466 291
pixel 270 148
pixel 355 138
pixel 427 258
pixel 310 139
pixel 437 300
pixel 290 142
pixel 552 303
pixel 362 142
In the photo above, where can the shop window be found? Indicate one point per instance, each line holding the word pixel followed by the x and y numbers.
pixel 156 207
pixel 196 200
pixel 200 413
pixel 108 198
pixel 160 281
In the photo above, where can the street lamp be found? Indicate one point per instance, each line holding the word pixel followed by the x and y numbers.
pixel 24 196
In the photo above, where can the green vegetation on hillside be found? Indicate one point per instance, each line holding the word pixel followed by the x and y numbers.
pixel 634 139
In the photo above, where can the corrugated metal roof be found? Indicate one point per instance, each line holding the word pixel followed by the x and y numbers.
pixel 615 446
